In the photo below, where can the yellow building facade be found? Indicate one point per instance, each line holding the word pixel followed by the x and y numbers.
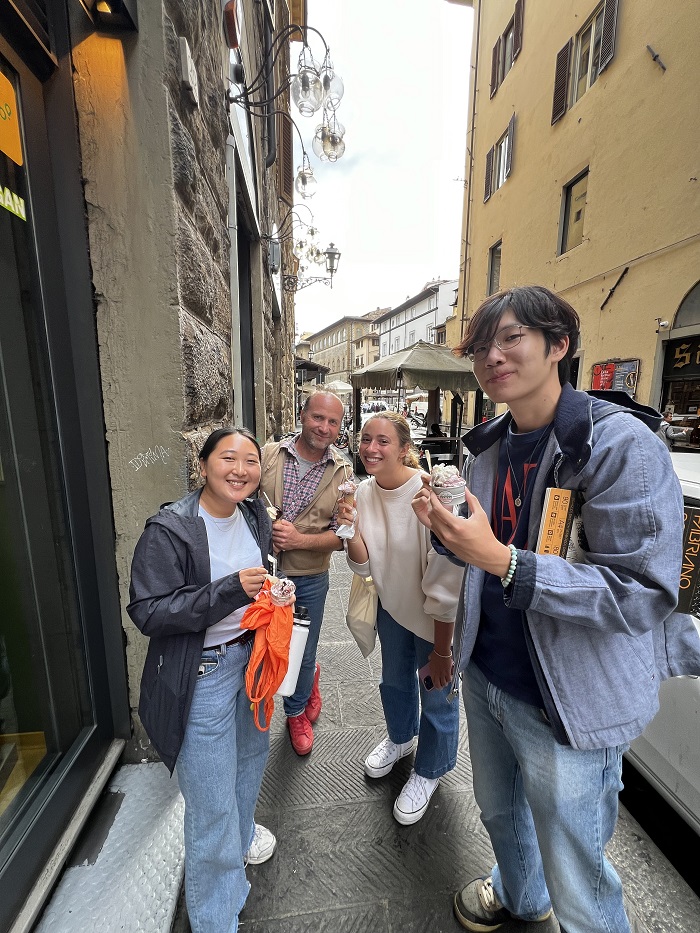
pixel 583 175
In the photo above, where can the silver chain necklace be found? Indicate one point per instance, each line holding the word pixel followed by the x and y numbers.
pixel 518 498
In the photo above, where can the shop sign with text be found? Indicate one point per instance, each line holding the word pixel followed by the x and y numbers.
pixel 682 358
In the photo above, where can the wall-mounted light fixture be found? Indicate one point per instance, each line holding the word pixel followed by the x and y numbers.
pixel 330 256
pixel 112 14
pixel 314 87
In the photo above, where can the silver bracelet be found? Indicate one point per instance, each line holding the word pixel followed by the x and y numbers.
pixel 441 655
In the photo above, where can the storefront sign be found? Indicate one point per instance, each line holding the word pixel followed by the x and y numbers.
pixel 682 358
pixel 10 140
pixel 13 203
pixel 620 375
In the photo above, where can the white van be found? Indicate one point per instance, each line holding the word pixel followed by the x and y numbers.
pixel 667 754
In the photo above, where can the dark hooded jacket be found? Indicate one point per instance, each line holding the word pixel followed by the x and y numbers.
pixel 173 601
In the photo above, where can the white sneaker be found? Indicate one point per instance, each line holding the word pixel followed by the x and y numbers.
pixel 413 800
pixel 262 847
pixel 385 755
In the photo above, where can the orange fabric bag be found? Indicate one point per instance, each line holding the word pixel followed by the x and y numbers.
pixel 269 659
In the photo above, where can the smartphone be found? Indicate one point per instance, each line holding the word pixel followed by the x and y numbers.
pixel 425 678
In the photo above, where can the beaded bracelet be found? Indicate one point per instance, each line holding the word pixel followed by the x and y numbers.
pixel 505 581
pixel 442 655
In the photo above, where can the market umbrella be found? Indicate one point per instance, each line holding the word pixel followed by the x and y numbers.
pixel 424 364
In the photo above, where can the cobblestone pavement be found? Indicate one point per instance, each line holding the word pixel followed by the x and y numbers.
pixel 344 865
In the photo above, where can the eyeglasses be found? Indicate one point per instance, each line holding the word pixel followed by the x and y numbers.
pixel 506 338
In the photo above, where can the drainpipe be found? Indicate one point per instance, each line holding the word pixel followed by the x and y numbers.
pixel 236 373
pixel 466 270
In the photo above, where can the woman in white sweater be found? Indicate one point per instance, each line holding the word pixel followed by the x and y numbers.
pixel 418 591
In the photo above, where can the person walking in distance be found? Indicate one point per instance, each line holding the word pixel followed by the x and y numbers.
pixel 561 655
pixel 668 433
pixel 300 477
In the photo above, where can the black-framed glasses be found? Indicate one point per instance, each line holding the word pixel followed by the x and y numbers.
pixel 505 339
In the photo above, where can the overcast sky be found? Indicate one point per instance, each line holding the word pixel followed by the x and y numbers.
pixel 393 203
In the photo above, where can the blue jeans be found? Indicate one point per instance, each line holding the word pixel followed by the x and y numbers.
pixel 549 809
pixel 219 769
pixel 434 720
pixel 311 592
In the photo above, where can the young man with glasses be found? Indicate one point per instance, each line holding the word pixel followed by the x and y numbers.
pixel 561 660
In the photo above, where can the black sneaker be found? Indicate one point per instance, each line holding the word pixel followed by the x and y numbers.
pixel 478 908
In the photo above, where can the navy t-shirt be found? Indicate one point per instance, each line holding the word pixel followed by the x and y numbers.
pixel 500 651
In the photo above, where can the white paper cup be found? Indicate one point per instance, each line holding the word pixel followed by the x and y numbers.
pixel 450 496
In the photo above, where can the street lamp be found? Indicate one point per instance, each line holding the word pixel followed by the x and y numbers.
pixel 331 257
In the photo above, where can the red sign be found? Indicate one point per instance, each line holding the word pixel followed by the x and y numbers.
pixel 603 375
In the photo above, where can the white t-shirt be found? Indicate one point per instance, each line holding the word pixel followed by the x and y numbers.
pixel 232 547
pixel 415 584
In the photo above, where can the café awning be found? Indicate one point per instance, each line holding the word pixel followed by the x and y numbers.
pixel 424 364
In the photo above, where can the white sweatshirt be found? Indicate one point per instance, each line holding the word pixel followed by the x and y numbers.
pixel 414 583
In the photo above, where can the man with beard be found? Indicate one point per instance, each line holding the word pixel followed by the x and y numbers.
pixel 300 477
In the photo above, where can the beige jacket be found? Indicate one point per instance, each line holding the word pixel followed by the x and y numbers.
pixel 315 518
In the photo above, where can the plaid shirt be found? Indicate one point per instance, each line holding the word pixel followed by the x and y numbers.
pixel 298 493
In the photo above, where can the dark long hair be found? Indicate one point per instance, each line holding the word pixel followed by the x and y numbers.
pixel 220 433
pixel 534 306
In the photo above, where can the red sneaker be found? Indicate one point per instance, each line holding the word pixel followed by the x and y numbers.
pixel 301 734
pixel 313 707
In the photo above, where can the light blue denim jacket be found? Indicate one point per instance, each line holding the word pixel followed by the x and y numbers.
pixel 603 633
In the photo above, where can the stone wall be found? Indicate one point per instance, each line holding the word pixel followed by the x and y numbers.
pixel 157 202
pixel 201 242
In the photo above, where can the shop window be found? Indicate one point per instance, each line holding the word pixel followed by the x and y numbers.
pixel 574 213
pixel 688 313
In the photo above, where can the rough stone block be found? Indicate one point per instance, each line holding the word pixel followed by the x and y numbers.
pixel 206 374
pixel 184 160
pixel 202 288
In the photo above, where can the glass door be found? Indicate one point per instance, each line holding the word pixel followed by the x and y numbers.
pixel 45 699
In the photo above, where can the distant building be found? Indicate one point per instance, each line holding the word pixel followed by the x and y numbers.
pixel 334 346
pixel 418 318
pixel 367 346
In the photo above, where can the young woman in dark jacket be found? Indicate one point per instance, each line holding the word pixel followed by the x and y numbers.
pixel 197 566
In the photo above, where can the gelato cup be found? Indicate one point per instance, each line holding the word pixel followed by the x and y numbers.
pixel 451 496
pixel 448 486
pixel 282 592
